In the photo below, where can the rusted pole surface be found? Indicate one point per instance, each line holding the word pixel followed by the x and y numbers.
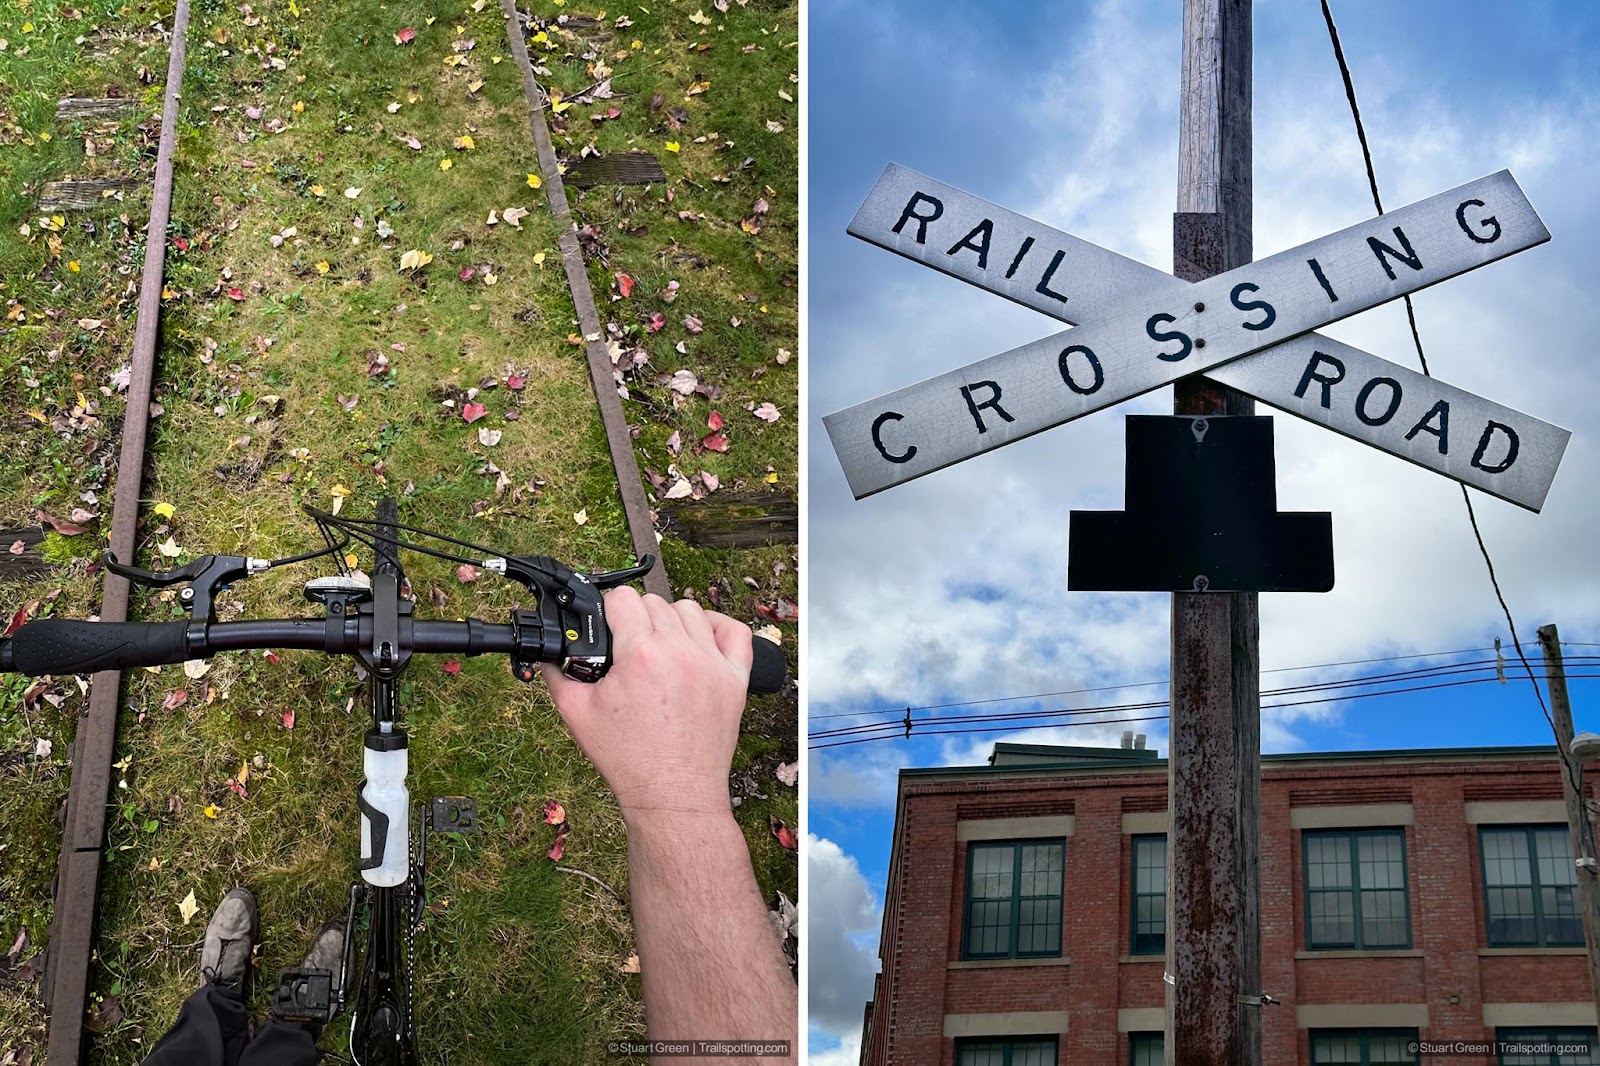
pixel 1583 845
pixel 1214 782
pixel 72 923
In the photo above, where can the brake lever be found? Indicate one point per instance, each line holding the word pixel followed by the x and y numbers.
pixel 621 577
pixel 206 576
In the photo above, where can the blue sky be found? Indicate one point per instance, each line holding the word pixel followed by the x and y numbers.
pixel 953 587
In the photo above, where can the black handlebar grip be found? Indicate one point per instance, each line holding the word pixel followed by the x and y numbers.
pixel 767 667
pixel 67 646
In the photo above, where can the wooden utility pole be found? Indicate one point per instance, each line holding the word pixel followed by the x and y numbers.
pixel 1555 673
pixel 1214 764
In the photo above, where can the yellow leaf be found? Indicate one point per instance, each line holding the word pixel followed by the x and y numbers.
pixel 464 142
pixel 673 146
pixel 167 293
pixel 188 908
pixel 538 259
pixel 557 105
pixel 322 266
pixel 72 265
pixel 474 85
pixel 432 19
pixel 339 490
pixel 700 18
pixel 244 773
pixel 165 510
pixel 210 812
pixel 534 181
pixel 350 559
pixel 413 98
pixel 772 478
pixel 294 10
pixel 539 38
pixel 318 190
pixel 490 278
pixel 38 416
pixel 298 107
pixel 697 88
pixel 445 164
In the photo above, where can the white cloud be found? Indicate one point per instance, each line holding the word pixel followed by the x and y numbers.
pixel 843 915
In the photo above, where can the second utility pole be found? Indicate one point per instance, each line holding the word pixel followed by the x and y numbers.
pixel 1214 782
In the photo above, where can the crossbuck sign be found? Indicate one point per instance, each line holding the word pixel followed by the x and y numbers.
pixel 1249 328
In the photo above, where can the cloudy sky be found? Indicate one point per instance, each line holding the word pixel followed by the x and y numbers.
pixel 953 587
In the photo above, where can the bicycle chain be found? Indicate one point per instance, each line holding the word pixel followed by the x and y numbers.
pixel 411 921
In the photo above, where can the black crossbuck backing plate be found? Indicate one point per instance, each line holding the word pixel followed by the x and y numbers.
pixel 1201 516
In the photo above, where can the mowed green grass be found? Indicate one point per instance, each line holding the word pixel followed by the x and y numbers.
pixel 275 395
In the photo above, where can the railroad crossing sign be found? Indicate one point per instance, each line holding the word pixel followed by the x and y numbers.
pixel 1249 328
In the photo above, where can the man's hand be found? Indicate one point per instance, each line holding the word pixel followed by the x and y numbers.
pixel 661 728
pixel 662 725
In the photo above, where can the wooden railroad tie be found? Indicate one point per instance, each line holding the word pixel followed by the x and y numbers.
pixel 733 520
pixel 624 168
pixel 27 565
pixel 90 108
pixel 75 195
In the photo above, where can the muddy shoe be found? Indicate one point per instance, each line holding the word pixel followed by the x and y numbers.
pixel 230 936
pixel 327 948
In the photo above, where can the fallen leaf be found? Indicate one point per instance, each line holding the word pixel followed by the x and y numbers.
pixel 679 490
pixel 464 143
pixel 534 181
pixel 322 266
pixel 489 437
pixel 715 442
pixel 352 192
pixel 683 382
pixel 473 411
pixel 581 517
pixel 657 321
pixel 169 549
pixel 66 529
pixel 624 285
pixel 318 190
pixel 175 699
pixel 210 811
pixel 195 669
pixel 515 215
pixel 631 965
pixel 415 260
pixel 673 146
pixel 788 772
pixel 693 324
pixel 785 835
pixel 516 382
pixel 446 164
pixel 675 442
pixel 189 907
pixel 554 812
pixel 767 413
pixel 405 36
pixel 451 666
pixel 559 847
pixel 714 421
pixel 710 481
pixel 473 86
pixel 288 719
pixel 466 573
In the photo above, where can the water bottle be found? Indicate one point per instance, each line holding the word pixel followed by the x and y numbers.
pixel 385 807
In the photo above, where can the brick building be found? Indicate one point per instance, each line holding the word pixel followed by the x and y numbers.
pixel 1405 895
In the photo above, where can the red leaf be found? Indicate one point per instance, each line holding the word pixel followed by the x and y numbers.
pixel 474 411
pixel 714 423
pixel 715 442
pixel 467 273
pixel 657 321
pixel 175 699
pixel 66 529
pixel 560 846
pixel 452 666
pixel 784 834
pixel 180 243
pixel 405 36
pixel 625 285
pixel 21 618
pixel 515 382
pixel 466 573
pixel 235 293
pixel 272 658
pixel 288 719
pixel 554 813
pixel 233 783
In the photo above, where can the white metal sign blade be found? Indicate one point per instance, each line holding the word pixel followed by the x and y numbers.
pixel 1522 477
pixel 1431 423
pixel 1153 339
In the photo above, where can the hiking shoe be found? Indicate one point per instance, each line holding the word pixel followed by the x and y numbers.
pixel 327 948
pixel 230 937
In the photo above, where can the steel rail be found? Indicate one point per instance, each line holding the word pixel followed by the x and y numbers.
pixel 73 918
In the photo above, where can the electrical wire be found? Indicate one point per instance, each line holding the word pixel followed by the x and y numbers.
pixel 1416 337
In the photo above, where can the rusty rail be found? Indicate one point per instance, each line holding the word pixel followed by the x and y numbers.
pixel 72 923
pixel 618 439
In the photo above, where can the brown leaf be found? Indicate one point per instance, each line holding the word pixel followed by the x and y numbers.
pixel 66 529
pixel 175 699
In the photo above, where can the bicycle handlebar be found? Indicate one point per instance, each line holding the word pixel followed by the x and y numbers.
pixel 68 646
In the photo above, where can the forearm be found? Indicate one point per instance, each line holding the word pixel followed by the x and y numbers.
pixel 710 960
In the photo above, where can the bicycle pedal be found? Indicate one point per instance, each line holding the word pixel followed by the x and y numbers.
pixel 303 995
pixel 455 814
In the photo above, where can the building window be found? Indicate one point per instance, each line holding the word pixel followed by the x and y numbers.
pixel 1530 886
pixel 1149 895
pixel 1547 1047
pixel 1364 1047
pixel 1356 889
pixel 1027 1051
pixel 1146 1049
pixel 1014 899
